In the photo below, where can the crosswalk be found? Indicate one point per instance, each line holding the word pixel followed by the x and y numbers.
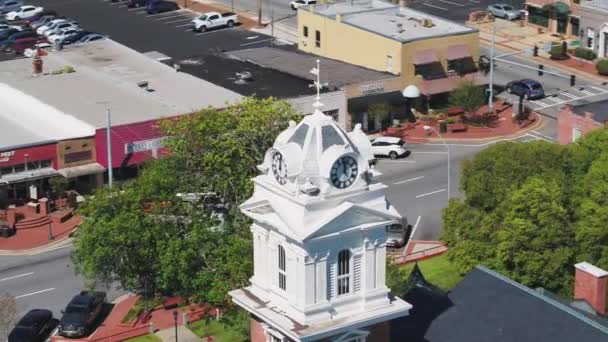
pixel 567 96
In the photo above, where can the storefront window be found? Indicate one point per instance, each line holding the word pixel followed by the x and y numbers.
pixel 33 165
pixel 538 16
pixel 45 163
pixel 6 170
pixel 575 26
pixel 430 71
pixel 19 168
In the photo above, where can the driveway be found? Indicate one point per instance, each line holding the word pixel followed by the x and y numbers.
pixel 168 33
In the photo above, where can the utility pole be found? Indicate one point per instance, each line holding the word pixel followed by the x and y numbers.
pixel 109 140
pixel 491 89
pixel 260 13
pixel 271 26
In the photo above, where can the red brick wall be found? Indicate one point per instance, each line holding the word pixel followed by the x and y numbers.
pixel 591 289
pixel 256 331
pixel 379 332
pixel 567 121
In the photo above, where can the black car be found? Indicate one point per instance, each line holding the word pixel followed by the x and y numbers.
pixel 75 37
pixel 154 7
pixel 137 3
pixel 529 89
pixel 35 326
pixel 81 313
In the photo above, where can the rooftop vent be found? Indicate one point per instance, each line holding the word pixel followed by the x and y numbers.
pixel 144 85
pixel 427 23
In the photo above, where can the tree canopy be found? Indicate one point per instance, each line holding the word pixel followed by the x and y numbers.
pixel 468 96
pixel 149 241
pixel 532 210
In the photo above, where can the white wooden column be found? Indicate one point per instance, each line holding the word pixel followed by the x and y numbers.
pixel 369 266
pixel 321 278
pixel 380 266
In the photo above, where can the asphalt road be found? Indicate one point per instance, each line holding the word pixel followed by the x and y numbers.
pixel 277 10
pixel 167 33
pixel 458 10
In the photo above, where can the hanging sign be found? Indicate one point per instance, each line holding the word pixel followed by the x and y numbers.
pixel 6 156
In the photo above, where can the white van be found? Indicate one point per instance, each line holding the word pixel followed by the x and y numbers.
pixel 397 234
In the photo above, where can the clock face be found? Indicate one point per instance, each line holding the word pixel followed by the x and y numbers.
pixel 344 172
pixel 279 168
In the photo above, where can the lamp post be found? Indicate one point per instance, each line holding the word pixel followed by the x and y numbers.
pixel 410 92
pixel 175 314
pixel 51 231
pixel 428 129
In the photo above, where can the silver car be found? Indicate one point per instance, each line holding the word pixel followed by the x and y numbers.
pixel 10 5
pixel 504 11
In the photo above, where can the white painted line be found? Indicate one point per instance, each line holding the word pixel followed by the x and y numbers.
pixel 554 99
pixel 123 6
pixel 207 32
pixel 34 293
pixel 542 135
pixel 409 180
pixel 175 16
pixel 141 12
pixel 256 42
pixel 17 276
pixel 535 137
pixel 415 227
pixel 474 1
pixel 569 95
pixel 597 88
pixel 429 5
pixel 539 103
pixel 177 21
pixel 51 249
pixel 431 193
pixel 184 25
pixel 114 3
pixel 531 139
pixel 586 92
pixel 429 152
pixel 252 37
pixel 451 3
pixel 398 161
pixel 134 9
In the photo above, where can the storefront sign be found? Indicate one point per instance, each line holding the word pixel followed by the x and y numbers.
pixel 144 145
pixel 372 88
pixel 6 156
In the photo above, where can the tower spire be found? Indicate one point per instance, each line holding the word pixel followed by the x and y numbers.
pixel 317 85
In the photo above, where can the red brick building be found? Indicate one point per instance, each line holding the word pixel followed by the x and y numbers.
pixel 575 121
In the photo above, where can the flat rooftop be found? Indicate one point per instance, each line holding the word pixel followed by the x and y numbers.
pixel 70 105
pixel 299 64
pixel 598 106
pixel 598 5
pixel 391 21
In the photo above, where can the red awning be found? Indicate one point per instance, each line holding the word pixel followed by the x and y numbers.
pixel 447 84
pixel 425 57
pixel 458 51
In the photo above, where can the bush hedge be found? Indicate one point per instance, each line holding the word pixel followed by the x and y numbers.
pixel 602 67
pixel 584 53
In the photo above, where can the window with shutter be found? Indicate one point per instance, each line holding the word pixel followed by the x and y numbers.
pixel 282 269
pixel 331 279
pixel 357 273
pixel 344 272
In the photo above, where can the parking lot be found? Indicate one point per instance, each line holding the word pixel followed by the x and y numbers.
pixel 457 10
pixel 168 33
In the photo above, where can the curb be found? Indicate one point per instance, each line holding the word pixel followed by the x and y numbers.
pixel 37 250
pixel 539 123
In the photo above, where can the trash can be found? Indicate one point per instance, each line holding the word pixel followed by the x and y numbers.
pixel 443 126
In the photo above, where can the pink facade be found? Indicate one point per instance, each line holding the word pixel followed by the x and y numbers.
pixel 570 124
pixel 47 152
pixel 132 144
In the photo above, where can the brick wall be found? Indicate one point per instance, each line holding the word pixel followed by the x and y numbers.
pixel 567 121
pixel 256 331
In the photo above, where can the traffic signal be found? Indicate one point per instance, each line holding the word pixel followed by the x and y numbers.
pixel 535 51
pixel 572 80
pixel 540 69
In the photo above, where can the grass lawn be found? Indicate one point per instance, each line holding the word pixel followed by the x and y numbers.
pixel 219 330
pixel 145 338
pixel 437 271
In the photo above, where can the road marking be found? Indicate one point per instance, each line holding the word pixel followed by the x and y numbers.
pixel 184 25
pixel 542 135
pixel 531 139
pixel 474 1
pixel 598 88
pixel 177 21
pixel 141 11
pixel 429 5
pixel 429 152
pixel 34 293
pixel 398 161
pixel 252 37
pixel 17 276
pixel 555 99
pixel 256 42
pixel 431 193
pixel 175 16
pixel 451 3
pixel 134 9
pixel 409 180
pixel 539 103
pixel 52 249
pixel 123 6
pixel 569 95
pixel 207 32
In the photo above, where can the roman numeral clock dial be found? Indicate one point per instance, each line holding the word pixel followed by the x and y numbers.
pixel 344 172
pixel 279 168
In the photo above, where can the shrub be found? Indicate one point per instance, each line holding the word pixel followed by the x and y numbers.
pixel 584 53
pixel 602 67
pixel 450 121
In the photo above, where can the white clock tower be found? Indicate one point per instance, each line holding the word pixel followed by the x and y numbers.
pixel 319 233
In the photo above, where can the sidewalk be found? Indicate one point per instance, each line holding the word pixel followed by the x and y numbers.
pixel 36 239
pixel 183 335
pixel 511 37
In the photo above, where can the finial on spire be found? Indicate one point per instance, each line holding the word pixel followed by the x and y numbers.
pixel 317 85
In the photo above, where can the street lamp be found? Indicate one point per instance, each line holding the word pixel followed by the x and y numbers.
pixel 410 92
pixel 428 129
pixel 175 320
pixel 51 231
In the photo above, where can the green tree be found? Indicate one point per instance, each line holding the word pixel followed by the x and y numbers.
pixel 468 96
pixel 379 112
pixel 147 240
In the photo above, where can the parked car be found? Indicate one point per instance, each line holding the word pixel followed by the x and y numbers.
pixel 391 147
pixel 504 11
pixel 7 33
pixel 35 326
pixel 75 37
pixel 44 13
pixel 398 234
pixel 61 34
pixel 211 20
pixel 81 313
pixel 295 4
pixel 90 38
pixel 529 89
pixel 11 5
pixel 42 21
pixel 21 44
pixel 24 12
pixel 137 3
pixel 4 27
pixel 53 25
pixel 31 52
pixel 155 7
pixel 17 35
pixel 60 26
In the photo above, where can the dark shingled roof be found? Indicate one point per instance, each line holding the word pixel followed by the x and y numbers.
pixel 486 306
pixel 598 108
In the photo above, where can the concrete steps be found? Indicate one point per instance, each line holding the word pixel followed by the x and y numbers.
pixel 33 222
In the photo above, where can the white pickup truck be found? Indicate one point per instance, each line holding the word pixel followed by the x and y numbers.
pixel 212 20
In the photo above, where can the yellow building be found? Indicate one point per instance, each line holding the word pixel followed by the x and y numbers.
pixel 433 53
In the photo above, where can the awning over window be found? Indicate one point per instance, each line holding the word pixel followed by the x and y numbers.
pixel 458 51
pixel 27 175
pixel 445 85
pixel 75 171
pixel 425 57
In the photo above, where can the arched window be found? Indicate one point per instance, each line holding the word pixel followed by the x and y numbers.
pixel 344 272
pixel 282 269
